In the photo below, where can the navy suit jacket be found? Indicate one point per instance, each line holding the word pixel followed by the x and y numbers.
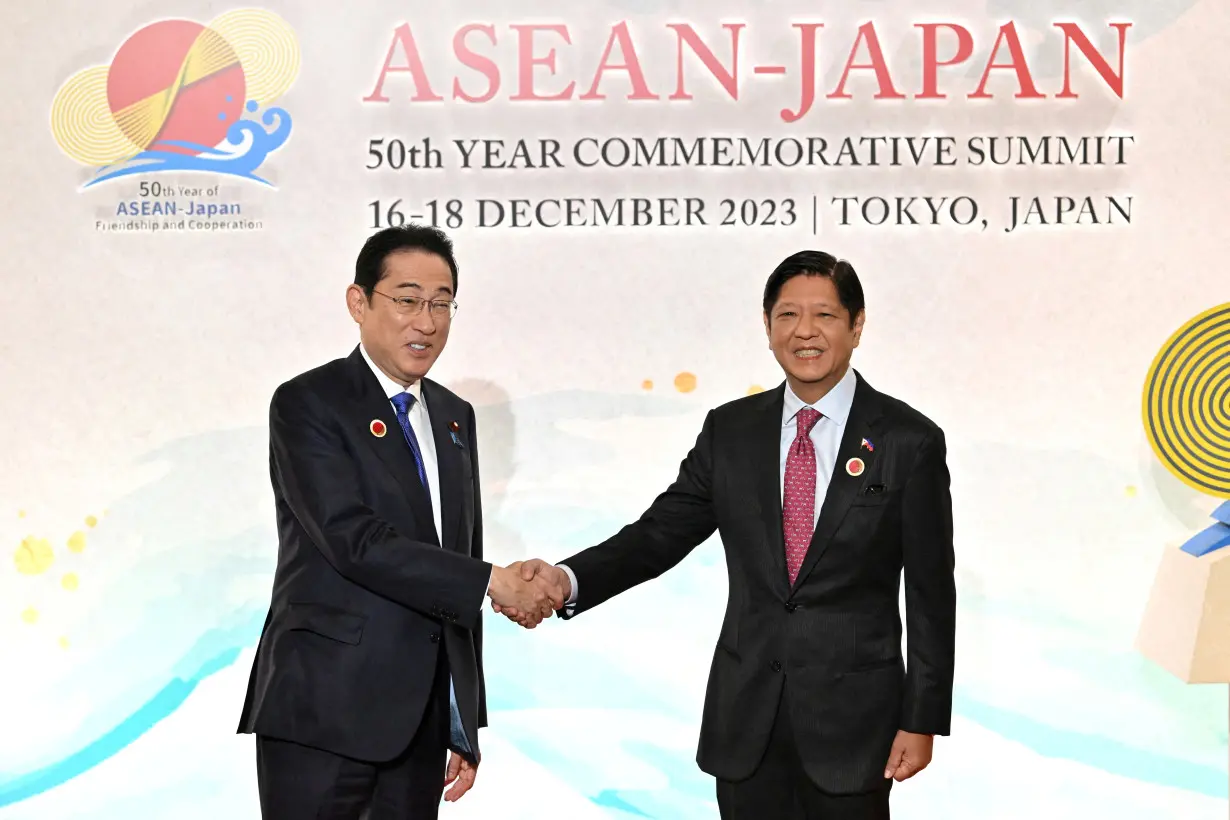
pixel 831 642
pixel 366 594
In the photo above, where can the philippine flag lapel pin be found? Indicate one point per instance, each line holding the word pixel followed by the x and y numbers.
pixel 867 445
pixel 453 429
pixel 378 428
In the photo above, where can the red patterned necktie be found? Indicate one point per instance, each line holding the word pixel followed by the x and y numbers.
pixel 799 499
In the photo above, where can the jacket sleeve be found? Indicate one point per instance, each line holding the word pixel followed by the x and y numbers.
pixel 930 592
pixel 678 520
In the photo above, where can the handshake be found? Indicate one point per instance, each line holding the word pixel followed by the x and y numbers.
pixel 528 591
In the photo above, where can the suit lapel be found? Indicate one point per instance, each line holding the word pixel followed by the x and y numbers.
pixel 448 456
pixel 369 404
pixel 843 488
pixel 766 441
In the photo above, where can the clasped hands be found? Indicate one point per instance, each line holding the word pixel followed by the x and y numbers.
pixel 528 591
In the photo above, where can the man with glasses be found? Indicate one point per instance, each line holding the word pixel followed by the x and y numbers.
pixel 369 668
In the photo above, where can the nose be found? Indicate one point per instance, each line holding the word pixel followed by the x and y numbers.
pixel 423 321
pixel 808 327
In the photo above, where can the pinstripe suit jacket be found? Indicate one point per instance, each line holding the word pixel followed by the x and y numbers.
pixel 831 642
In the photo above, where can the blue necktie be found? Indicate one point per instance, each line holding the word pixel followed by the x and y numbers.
pixel 403 402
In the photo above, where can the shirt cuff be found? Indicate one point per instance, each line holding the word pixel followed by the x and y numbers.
pixel 572 583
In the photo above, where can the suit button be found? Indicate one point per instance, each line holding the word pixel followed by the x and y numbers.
pixel 791 607
pixel 435 637
pixel 776 666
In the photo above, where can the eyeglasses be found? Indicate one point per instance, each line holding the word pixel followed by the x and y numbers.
pixel 413 305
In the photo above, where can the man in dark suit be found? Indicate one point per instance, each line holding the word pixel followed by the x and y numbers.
pixel 824 492
pixel 370 665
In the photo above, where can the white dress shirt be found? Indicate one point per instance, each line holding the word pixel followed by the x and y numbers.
pixel 834 408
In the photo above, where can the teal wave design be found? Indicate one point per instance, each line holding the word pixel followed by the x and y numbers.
pixel 215 651
pixel 1104 753
pixel 219 649
pixel 605 684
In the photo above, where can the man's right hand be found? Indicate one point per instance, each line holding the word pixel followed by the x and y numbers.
pixel 551 579
pixel 514 589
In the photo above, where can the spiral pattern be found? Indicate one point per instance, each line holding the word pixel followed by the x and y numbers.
pixel 1187 403
pixel 267 50
pixel 82 122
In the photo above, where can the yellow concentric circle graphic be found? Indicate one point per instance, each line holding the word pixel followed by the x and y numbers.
pixel 82 122
pixel 267 50
pixel 1186 403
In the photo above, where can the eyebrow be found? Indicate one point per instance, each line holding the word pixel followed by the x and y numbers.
pixel 443 289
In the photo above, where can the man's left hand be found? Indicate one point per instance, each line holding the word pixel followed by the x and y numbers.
pixel 910 755
pixel 461 774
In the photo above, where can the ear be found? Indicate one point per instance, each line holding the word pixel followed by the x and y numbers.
pixel 356 303
pixel 768 332
pixel 858 326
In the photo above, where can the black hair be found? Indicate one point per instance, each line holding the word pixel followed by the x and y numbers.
pixel 817 263
pixel 369 267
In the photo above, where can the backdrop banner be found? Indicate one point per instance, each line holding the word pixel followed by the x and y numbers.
pixel 1029 190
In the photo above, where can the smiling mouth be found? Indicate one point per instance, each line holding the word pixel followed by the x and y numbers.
pixel 808 353
pixel 418 348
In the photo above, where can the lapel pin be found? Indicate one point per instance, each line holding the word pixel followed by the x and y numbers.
pixel 855 467
pixel 870 447
pixel 453 427
pixel 378 428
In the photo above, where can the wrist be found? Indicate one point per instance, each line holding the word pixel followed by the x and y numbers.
pixel 498 581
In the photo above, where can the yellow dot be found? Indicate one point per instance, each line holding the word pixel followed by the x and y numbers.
pixel 69 581
pixel 76 541
pixel 91 521
pixel 647 384
pixel 685 382
pixel 1130 490
pixel 754 389
pixel 34 556
pixel 64 643
pixel 30 615
pixel 21 513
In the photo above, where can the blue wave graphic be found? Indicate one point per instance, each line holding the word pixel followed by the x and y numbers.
pixel 198 462
pixel 219 649
pixel 252 142
pixel 215 651
pixel 1103 753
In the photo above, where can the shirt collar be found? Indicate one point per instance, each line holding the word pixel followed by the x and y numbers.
pixel 390 387
pixel 834 404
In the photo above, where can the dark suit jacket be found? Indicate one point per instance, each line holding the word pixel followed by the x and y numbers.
pixel 832 642
pixel 364 598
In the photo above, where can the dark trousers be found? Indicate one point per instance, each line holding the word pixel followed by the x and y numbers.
pixel 780 789
pixel 301 783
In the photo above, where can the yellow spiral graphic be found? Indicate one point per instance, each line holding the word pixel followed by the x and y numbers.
pixel 1187 403
pixel 267 50
pixel 82 124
